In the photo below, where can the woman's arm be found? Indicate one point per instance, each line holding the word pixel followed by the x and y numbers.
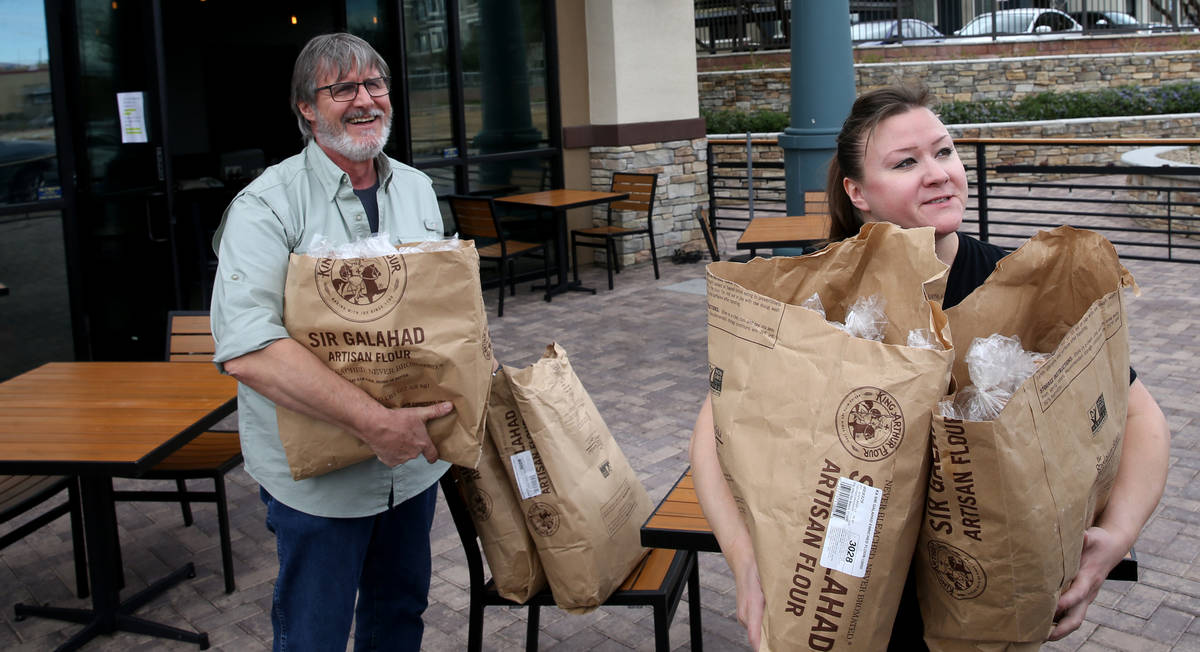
pixel 1141 477
pixel 716 500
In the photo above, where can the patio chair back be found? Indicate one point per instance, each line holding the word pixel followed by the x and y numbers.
pixel 475 217
pixel 210 455
pixel 641 194
pixel 21 493
pixel 641 188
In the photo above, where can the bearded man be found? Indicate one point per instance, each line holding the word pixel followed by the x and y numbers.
pixel 353 544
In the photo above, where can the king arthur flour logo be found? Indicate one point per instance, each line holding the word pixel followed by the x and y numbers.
pixel 480 504
pixel 361 289
pixel 869 423
pixel 543 518
pixel 957 572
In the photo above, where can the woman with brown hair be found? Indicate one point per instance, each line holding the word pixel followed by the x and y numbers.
pixel 896 162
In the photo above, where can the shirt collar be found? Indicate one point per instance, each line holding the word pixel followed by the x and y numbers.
pixel 332 177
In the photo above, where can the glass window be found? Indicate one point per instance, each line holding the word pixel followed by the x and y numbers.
pixel 35 318
pixel 28 159
pixel 504 75
pixel 872 31
pixel 509 177
pixel 918 29
pixel 428 80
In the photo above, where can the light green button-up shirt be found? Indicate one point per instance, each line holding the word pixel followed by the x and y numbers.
pixel 279 213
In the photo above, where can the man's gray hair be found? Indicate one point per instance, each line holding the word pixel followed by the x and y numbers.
pixel 337 54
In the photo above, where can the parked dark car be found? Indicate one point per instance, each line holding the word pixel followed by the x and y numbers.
pixel 884 31
pixel 1113 20
pixel 25 167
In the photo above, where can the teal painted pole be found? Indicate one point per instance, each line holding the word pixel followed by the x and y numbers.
pixel 822 93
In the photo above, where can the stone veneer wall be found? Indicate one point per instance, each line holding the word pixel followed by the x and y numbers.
pixel 1150 126
pixel 964 80
pixel 682 167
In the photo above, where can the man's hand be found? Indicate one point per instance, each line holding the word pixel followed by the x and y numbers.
pixel 290 375
pixel 1101 552
pixel 399 435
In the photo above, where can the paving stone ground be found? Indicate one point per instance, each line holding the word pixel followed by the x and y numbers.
pixel 640 351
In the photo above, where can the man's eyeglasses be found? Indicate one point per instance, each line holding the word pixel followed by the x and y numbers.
pixel 347 91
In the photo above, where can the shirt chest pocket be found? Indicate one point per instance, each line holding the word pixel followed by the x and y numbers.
pixel 417 229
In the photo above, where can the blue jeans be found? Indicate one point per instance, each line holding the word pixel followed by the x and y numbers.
pixel 325 562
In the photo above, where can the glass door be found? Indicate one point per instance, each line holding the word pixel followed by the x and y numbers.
pixel 35 319
pixel 128 276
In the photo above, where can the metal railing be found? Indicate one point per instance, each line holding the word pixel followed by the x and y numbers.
pixel 1147 212
pixel 745 180
pixel 750 25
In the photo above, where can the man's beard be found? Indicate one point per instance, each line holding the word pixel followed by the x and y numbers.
pixel 342 143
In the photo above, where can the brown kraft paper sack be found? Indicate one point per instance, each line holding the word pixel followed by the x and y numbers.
pixel 495 509
pixel 1009 499
pixel 583 502
pixel 812 422
pixel 412 332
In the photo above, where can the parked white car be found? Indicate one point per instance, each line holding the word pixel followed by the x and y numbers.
pixel 1020 21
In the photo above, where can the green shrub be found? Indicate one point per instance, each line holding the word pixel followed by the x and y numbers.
pixel 1119 101
pixel 739 122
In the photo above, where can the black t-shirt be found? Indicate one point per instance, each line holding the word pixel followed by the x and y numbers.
pixel 370 201
pixel 973 263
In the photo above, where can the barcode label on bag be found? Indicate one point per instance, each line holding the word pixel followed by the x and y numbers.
pixel 526 475
pixel 851 528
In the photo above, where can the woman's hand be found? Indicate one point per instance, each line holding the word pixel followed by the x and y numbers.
pixel 1101 552
pixel 1136 491
pixel 750 600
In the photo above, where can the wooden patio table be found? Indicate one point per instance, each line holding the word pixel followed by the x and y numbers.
pixel 97 419
pixel 559 202
pixel 791 231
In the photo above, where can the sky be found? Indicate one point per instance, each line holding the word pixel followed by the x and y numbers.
pixel 22 32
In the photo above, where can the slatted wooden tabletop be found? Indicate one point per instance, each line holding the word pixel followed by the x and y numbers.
pixel 562 199
pixel 678 523
pixel 71 417
pixel 792 231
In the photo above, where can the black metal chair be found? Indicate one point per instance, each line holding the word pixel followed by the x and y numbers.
pixel 641 188
pixel 210 455
pixel 476 219
pixel 657 582
pixel 710 238
pixel 21 493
